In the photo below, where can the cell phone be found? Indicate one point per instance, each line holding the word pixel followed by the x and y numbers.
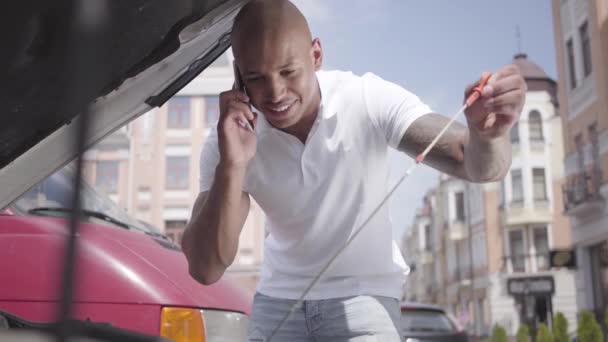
pixel 238 84
pixel 238 81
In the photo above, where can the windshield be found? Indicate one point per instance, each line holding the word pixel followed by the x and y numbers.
pixel 425 320
pixel 56 191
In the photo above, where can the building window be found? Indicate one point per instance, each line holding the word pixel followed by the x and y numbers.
pixel 459 206
pixel 174 229
pixel 599 276
pixel 540 187
pixel 586 48
pixel 535 122
pixel 578 141
pixel 428 243
pixel 518 250
pixel 107 176
pixel 515 133
pixel 517 194
pixel 177 173
pixel 571 65
pixel 178 115
pixel 212 106
pixel 541 247
pixel 595 144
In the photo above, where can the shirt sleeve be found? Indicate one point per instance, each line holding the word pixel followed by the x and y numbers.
pixel 391 108
pixel 210 157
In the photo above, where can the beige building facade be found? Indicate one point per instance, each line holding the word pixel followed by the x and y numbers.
pixel 581 41
pixel 151 166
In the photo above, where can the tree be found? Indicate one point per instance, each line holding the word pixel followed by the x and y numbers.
pixel 523 334
pixel 499 334
pixel 588 329
pixel 543 335
pixel 560 328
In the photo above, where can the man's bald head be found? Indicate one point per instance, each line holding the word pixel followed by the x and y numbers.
pixel 277 60
pixel 263 20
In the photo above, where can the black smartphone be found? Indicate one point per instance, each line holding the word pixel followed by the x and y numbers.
pixel 238 81
pixel 238 84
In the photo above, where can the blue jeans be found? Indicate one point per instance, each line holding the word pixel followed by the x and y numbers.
pixel 360 319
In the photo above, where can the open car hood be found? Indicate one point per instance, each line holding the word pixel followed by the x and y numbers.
pixel 119 59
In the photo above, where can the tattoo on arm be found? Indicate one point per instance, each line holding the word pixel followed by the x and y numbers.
pixel 447 155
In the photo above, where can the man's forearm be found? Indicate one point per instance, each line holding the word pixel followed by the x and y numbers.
pixel 211 238
pixel 459 152
pixel 486 160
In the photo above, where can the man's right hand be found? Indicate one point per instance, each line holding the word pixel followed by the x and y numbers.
pixel 237 144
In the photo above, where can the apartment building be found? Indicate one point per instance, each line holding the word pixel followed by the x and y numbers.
pixel 581 41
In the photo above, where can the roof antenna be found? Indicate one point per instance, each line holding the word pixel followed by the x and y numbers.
pixel 518 38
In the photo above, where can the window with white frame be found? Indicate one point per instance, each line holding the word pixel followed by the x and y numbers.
pixel 571 63
pixel 541 247
pixel 517 250
pixel 460 210
pixel 517 192
pixel 535 125
pixel 583 32
pixel 540 185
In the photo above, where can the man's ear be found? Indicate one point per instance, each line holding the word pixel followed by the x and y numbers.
pixel 317 54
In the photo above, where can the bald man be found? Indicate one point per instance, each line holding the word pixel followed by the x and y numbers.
pixel 316 161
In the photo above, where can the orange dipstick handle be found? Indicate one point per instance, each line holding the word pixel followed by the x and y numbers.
pixel 477 90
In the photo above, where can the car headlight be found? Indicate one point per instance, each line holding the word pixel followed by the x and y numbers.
pixel 189 325
pixel 225 326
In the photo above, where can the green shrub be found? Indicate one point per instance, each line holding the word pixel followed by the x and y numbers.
pixel 606 318
pixel 588 329
pixel 543 334
pixel 560 328
pixel 499 334
pixel 523 334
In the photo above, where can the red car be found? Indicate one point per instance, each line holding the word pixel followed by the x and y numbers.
pixel 114 60
pixel 127 275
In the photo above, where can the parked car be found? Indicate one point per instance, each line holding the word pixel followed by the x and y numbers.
pixel 114 60
pixel 426 322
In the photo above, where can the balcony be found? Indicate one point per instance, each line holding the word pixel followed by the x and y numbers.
pixel 515 213
pixel 526 263
pixel 582 194
pixel 426 257
pixel 457 230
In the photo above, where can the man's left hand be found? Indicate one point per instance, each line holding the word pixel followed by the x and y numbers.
pixel 500 104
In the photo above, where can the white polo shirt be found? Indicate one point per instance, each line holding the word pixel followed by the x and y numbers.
pixel 315 195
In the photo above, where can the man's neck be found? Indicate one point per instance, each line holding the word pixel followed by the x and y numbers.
pixel 303 127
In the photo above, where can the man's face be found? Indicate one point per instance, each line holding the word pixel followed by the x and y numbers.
pixel 279 75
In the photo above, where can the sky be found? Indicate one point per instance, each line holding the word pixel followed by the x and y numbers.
pixel 433 48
